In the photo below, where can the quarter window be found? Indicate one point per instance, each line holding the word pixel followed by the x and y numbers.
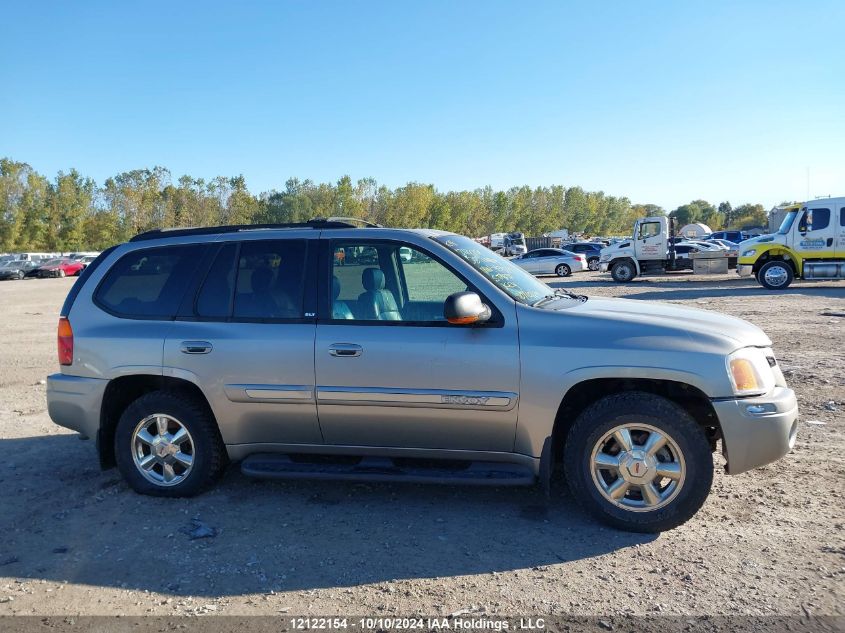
pixel 149 283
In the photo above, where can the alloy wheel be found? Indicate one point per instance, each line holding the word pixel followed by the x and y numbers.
pixel 638 467
pixel 162 449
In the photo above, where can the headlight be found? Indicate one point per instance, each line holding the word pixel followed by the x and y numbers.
pixel 749 253
pixel 750 372
pixel 604 258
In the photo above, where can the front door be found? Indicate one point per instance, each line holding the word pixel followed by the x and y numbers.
pixel 651 242
pixel 392 372
pixel 816 231
pixel 840 240
pixel 245 341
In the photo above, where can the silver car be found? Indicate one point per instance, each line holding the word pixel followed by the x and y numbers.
pixel 184 350
pixel 551 261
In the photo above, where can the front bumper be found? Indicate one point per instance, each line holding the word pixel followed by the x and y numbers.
pixel 74 402
pixel 603 266
pixel 757 431
pixel 744 270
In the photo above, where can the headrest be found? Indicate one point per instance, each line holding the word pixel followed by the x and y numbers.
pixel 335 287
pixel 261 279
pixel 372 279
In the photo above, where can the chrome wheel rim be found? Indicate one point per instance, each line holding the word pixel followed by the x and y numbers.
pixel 775 275
pixel 638 467
pixel 162 449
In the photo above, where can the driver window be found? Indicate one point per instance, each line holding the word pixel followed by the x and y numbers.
pixel 649 229
pixel 817 219
pixel 389 282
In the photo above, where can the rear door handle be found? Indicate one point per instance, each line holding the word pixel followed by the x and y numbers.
pixel 345 350
pixel 196 347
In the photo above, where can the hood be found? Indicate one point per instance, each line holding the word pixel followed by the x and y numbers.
pixel 654 320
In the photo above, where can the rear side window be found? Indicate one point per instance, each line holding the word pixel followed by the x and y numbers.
pixel 270 280
pixel 215 297
pixel 150 282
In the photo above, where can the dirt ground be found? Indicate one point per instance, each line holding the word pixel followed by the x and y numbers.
pixel 76 540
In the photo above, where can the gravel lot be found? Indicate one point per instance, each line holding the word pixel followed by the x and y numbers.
pixel 75 540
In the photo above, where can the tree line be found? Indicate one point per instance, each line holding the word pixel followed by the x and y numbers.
pixel 73 212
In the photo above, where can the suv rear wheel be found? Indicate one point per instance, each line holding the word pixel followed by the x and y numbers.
pixel 167 445
pixel 638 462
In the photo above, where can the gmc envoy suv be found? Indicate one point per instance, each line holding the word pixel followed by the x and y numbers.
pixel 331 350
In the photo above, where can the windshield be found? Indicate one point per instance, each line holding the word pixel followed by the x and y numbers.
pixel 519 284
pixel 788 219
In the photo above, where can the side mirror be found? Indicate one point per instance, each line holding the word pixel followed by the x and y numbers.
pixel 465 308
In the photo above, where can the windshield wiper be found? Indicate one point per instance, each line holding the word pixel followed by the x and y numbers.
pixel 559 292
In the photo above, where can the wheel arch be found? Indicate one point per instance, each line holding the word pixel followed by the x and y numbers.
pixel 776 255
pixel 124 390
pixel 626 259
pixel 584 393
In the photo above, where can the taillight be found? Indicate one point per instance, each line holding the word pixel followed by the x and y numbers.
pixel 65 340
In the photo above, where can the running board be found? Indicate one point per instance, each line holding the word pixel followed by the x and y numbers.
pixel 278 466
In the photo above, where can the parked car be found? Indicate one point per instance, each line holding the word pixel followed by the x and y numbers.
pixel 60 267
pixel 16 269
pixel 592 250
pixel 86 259
pixel 551 261
pixel 185 349
pixel 732 236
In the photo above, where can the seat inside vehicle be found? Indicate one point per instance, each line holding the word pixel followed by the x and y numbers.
pixel 377 302
pixel 340 309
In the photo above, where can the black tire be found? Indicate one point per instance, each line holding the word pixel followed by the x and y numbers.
pixel 623 271
pixel 20 274
pixel 563 270
pixel 638 408
pixel 593 263
pixel 62 272
pixel 777 270
pixel 209 454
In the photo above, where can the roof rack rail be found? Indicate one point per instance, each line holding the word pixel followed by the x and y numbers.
pixel 313 223
pixel 349 220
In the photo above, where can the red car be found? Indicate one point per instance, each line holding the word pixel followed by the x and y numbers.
pixel 61 267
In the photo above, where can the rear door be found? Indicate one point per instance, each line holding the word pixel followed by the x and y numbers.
pixel 840 240
pixel 246 338
pixel 392 372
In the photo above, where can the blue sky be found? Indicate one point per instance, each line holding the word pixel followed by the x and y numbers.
pixel 662 102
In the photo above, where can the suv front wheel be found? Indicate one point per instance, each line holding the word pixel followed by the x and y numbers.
pixel 638 462
pixel 167 445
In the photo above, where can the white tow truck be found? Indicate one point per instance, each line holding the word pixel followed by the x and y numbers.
pixel 654 249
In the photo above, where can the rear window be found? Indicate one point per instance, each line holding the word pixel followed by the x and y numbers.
pixel 149 283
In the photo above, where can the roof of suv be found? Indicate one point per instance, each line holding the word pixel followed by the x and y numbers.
pixel 315 223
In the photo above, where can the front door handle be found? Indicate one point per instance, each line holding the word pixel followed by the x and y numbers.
pixel 196 347
pixel 345 350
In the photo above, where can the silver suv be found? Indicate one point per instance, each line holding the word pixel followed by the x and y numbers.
pixel 328 350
